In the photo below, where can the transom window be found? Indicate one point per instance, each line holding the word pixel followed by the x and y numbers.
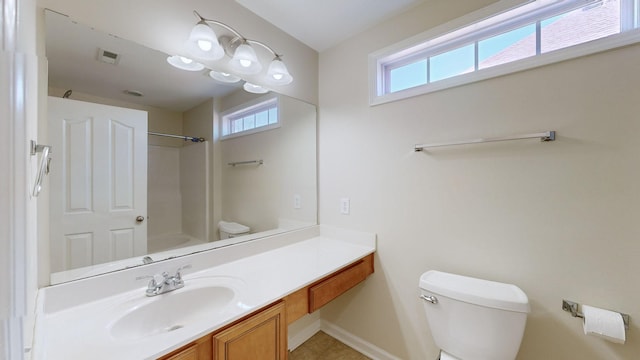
pixel 506 37
pixel 251 118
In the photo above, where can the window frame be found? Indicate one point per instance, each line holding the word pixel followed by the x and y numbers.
pixel 252 107
pixel 483 24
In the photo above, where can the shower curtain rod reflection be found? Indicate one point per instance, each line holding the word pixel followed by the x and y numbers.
pixel 185 138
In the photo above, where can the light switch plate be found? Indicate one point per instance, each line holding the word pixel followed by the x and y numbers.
pixel 345 206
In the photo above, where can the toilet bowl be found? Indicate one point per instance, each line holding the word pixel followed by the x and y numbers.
pixel 230 229
pixel 473 319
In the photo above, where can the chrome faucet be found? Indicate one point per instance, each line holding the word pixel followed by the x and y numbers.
pixel 163 283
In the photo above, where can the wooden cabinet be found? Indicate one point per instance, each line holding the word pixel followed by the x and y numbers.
pixel 197 350
pixel 189 353
pixel 262 336
pixel 336 284
pixel 318 294
pixel 259 336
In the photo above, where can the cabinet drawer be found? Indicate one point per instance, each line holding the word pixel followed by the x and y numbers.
pixel 333 286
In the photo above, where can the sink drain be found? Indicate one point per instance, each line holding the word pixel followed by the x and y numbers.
pixel 174 327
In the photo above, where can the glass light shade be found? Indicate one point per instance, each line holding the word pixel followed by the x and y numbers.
pixel 253 88
pixel 203 43
pixel 278 74
pixel 224 77
pixel 245 61
pixel 184 63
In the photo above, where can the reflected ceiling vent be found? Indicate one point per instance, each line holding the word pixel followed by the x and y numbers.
pixel 108 57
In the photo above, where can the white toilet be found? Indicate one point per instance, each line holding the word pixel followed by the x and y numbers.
pixel 474 319
pixel 232 229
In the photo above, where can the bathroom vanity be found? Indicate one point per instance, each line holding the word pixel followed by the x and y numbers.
pixel 263 334
pixel 237 302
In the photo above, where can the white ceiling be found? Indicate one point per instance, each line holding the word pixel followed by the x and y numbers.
pixel 322 24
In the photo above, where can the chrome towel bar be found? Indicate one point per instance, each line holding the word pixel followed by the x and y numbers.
pixel 544 137
pixel 185 138
pixel 248 162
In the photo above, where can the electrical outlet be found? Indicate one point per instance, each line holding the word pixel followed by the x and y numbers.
pixel 344 206
pixel 297 202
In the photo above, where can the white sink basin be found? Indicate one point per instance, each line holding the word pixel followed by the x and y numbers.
pixel 197 301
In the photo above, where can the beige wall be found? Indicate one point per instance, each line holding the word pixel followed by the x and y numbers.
pixel 258 196
pixel 197 160
pixel 164 199
pixel 558 219
pixel 159 120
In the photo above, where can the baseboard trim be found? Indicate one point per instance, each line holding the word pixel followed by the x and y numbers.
pixel 303 335
pixel 364 347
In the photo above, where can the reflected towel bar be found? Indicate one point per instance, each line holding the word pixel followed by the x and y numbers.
pixel 248 162
pixel 545 136
pixel 185 138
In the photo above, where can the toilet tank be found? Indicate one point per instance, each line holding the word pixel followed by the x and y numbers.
pixel 474 319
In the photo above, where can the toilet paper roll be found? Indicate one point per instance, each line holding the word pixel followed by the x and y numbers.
pixel 604 323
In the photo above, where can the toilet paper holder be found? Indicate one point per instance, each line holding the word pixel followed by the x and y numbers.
pixel 572 307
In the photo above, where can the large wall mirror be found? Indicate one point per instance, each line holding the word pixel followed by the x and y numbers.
pixel 251 184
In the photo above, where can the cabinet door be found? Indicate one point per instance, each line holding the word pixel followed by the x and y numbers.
pixel 186 354
pixel 200 350
pixel 262 336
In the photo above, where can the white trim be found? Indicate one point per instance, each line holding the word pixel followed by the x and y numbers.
pixel 254 130
pixel 299 337
pixel 359 344
pixel 247 107
pixel 376 59
pixel 364 347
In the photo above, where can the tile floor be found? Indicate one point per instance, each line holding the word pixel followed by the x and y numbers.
pixel 323 347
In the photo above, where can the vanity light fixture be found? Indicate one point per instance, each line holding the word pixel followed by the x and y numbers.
pixel 224 77
pixel 205 45
pixel 278 73
pixel 245 60
pixel 184 63
pixel 253 88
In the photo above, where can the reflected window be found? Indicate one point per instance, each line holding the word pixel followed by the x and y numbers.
pixel 252 118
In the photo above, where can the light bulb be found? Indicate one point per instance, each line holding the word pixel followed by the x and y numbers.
pixel 224 77
pixel 253 88
pixel 205 45
pixel 184 63
pixel 245 61
pixel 278 73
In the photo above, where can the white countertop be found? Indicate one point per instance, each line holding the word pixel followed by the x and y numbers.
pixel 82 330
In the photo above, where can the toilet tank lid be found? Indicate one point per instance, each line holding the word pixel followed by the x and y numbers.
pixel 475 291
pixel 232 227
